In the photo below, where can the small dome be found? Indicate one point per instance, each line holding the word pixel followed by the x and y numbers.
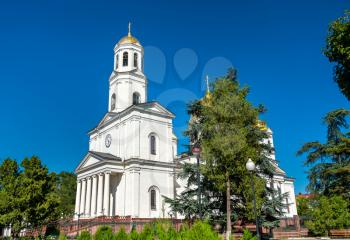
pixel 129 39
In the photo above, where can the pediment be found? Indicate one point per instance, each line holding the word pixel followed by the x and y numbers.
pixel 94 158
pixel 156 107
pixel 278 170
pixel 108 116
pixel 89 161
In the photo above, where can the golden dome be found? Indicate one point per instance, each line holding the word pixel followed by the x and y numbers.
pixel 128 39
pixel 262 125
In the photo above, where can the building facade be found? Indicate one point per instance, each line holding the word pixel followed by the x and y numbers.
pixel 130 162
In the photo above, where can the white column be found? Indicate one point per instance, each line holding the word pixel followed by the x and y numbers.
pixel 93 196
pixel 100 194
pixel 77 200
pixel 135 193
pixel 106 194
pixel 83 197
pixel 88 197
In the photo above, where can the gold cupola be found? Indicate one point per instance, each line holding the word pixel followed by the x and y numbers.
pixel 129 39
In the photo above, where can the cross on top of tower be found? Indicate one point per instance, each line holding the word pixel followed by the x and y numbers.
pixel 129 27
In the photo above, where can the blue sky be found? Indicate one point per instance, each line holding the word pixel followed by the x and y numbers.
pixel 56 57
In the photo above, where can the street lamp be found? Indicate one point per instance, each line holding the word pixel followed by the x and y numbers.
pixel 196 151
pixel 78 214
pixel 250 165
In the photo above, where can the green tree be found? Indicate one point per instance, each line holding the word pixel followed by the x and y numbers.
pixel 38 192
pixel 338 51
pixel 328 213
pixel 329 162
pixel 27 195
pixel 303 207
pixel 226 126
pixel 11 201
pixel 66 184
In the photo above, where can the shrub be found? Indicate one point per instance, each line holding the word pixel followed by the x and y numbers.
pixel 121 235
pixel 247 235
pixel 84 235
pixel 62 237
pixel 104 233
pixel 147 233
pixel 134 235
pixel 328 213
pixel 200 231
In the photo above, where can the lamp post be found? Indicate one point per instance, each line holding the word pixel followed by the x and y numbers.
pixel 196 151
pixel 250 165
pixel 78 215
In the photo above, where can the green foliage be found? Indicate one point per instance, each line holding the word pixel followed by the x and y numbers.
pixel 62 237
pixel 328 213
pixel 52 230
pixel 85 235
pixel 303 206
pixel 134 235
pixel 338 51
pixel 329 162
pixel 66 184
pixel 27 195
pixel 11 201
pixel 247 235
pixel 122 235
pixel 200 230
pixel 104 233
pixel 225 124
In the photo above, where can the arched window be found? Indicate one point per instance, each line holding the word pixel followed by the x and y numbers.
pixel 125 59
pixel 117 62
pixel 135 98
pixel 113 100
pixel 153 199
pixel 153 145
pixel 135 59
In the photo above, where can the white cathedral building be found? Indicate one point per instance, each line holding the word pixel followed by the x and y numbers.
pixel 132 153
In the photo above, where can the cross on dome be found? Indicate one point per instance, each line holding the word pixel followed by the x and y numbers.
pixel 129 39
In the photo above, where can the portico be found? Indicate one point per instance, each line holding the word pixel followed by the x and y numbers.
pixel 96 194
pixel 93 201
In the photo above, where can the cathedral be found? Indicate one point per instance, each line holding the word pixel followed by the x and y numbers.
pixel 132 153
pixel 130 162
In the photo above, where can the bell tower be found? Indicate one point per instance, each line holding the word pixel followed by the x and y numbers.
pixel 127 83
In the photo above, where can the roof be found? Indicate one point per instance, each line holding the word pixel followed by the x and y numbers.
pixel 99 157
pixel 104 156
pixel 129 40
pixel 150 107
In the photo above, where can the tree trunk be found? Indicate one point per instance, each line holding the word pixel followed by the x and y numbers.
pixel 228 207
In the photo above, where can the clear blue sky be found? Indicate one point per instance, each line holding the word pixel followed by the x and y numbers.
pixel 56 57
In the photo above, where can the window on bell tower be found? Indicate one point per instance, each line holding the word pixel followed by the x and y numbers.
pixel 135 60
pixel 125 59
pixel 117 62
pixel 135 98
pixel 113 100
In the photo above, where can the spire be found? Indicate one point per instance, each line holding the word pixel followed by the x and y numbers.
pixel 207 82
pixel 207 98
pixel 129 33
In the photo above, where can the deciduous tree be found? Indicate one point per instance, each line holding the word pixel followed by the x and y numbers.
pixel 338 51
